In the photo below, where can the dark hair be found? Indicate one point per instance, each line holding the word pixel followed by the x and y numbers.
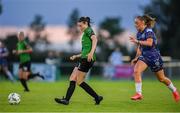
pixel 85 19
pixel 148 20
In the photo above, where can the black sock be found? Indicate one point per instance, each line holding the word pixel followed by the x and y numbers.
pixel 23 82
pixel 70 90
pixel 32 75
pixel 89 90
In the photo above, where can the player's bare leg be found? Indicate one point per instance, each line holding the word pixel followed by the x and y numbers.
pixel 23 78
pixel 140 66
pixel 162 78
pixel 8 73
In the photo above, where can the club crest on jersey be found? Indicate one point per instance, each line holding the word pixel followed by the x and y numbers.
pixel 157 63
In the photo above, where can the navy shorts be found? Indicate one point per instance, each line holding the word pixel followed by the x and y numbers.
pixel 153 60
pixel 84 65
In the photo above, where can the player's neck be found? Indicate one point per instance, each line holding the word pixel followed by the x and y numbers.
pixel 143 28
pixel 85 27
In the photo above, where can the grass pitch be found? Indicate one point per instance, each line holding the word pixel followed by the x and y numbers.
pixel 157 97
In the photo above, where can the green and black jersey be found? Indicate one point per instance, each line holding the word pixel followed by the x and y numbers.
pixel 24 57
pixel 87 43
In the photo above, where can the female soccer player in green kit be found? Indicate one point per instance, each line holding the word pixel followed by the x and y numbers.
pixel 24 50
pixel 87 58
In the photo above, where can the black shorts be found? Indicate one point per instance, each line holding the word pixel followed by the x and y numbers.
pixel 84 65
pixel 26 66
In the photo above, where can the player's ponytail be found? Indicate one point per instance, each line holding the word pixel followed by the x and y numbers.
pixel 88 21
pixel 149 21
pixel 85 19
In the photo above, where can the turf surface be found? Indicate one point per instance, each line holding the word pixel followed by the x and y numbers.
pixel 157 97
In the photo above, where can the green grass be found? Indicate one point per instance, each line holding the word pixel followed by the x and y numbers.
pixel 157 97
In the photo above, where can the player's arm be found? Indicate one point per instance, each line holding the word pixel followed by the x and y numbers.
pixel 148 42
pixel 94 44
pixel 28 49
pixel 138 53
pixel 75 57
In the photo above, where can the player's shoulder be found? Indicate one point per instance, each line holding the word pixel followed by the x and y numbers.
pixel 148 30
pixel 25 42
pixel 89 30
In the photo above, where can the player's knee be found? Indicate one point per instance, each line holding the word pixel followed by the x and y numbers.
pixel 79 82
pixel 72 79
pixel 161 79
pixel 20 76
pixel 136 72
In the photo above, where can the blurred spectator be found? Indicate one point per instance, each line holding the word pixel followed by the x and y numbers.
pixel 4 62
pixel 54 59
pixel 116 57
pixel 114 60
pixel 51 58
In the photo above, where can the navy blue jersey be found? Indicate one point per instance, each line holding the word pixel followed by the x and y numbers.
pixel 2 51
pixel 3 60
pixel 150 54
pixel 142 36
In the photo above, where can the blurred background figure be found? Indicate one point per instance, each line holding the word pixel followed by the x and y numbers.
pixel 51 58
pixel 54 60
pixel 115 59
pixel 4 62
pixel 23 50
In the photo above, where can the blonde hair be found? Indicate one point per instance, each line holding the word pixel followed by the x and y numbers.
pixel 148 20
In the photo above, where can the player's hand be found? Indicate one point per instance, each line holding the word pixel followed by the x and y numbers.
pixel 133 40
pixel 19 52
pixel 90 57
pixel 14 51
pixel 73 57
pixel 133 62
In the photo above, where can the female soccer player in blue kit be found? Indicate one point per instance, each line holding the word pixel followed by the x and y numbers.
pixel 4 61
pixel 148 56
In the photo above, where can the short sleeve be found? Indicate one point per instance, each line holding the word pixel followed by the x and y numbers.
pixel 149 33
pixel 90 32
pixel 26 44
